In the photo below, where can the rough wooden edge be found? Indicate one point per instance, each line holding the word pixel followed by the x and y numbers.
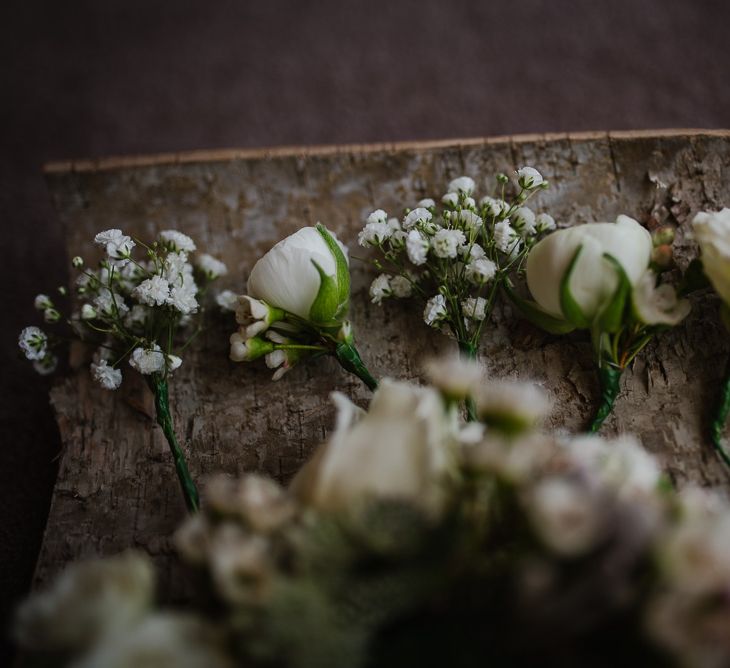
pixel 219 155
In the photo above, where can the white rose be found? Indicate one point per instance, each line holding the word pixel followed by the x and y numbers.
pixel 566 514
pixel 400 449
pixel 621 463
pixel 305 274
pixel 712 231
pixel 594 278
pixel 657 305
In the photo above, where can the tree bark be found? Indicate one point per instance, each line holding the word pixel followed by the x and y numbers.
pixel 116 487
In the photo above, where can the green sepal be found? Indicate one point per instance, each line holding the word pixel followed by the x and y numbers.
pixel 611 316
pixel 601 343
pixel 342 271
pixel 609 377
pixel 532 312
pixel 257 347
pixel 350 360
pixel 327 302
pixel 693 279
pixel 571 309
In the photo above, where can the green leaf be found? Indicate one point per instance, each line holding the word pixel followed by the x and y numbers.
pixel 693 279
pixel 536 315
pixel 342 270
pixel 611 317
pixel 570 308
pixel 326 303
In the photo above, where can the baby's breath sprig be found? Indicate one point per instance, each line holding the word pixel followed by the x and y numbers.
pixel 454 257
pixel 142 311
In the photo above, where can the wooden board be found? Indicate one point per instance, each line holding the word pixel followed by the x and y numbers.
pixel 116 486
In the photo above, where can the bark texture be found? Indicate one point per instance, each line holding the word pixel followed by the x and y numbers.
pixel 117 486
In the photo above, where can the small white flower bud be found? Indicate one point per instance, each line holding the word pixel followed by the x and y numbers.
pixel 42 302
pixel 462 184
pixel 345 333
pixel 529 178
pixel 450 199
pixel 77 262
pixel 173 362
pixel 51 315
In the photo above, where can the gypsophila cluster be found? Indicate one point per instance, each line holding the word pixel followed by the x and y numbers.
pixel 133 305
pixel 454 255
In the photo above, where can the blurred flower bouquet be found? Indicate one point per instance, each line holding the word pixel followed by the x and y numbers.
pixel 412 538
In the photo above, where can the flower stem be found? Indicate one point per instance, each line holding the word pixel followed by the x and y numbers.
pixel 717 426
pixel 610 378
pixel 468 351
pixel 158 385
pixel 350 360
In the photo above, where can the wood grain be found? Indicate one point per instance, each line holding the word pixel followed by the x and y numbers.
pixel 116 487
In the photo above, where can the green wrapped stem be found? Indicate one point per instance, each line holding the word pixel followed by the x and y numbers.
pixel 159 388
pixel 717 426
pixel 468 351
pixel 350 360
pixel 610 380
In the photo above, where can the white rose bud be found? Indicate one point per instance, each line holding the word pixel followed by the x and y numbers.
pixel 594 279
pixel 306 274
pixel 399 450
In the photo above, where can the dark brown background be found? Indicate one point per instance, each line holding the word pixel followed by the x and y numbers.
pixel 85 79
